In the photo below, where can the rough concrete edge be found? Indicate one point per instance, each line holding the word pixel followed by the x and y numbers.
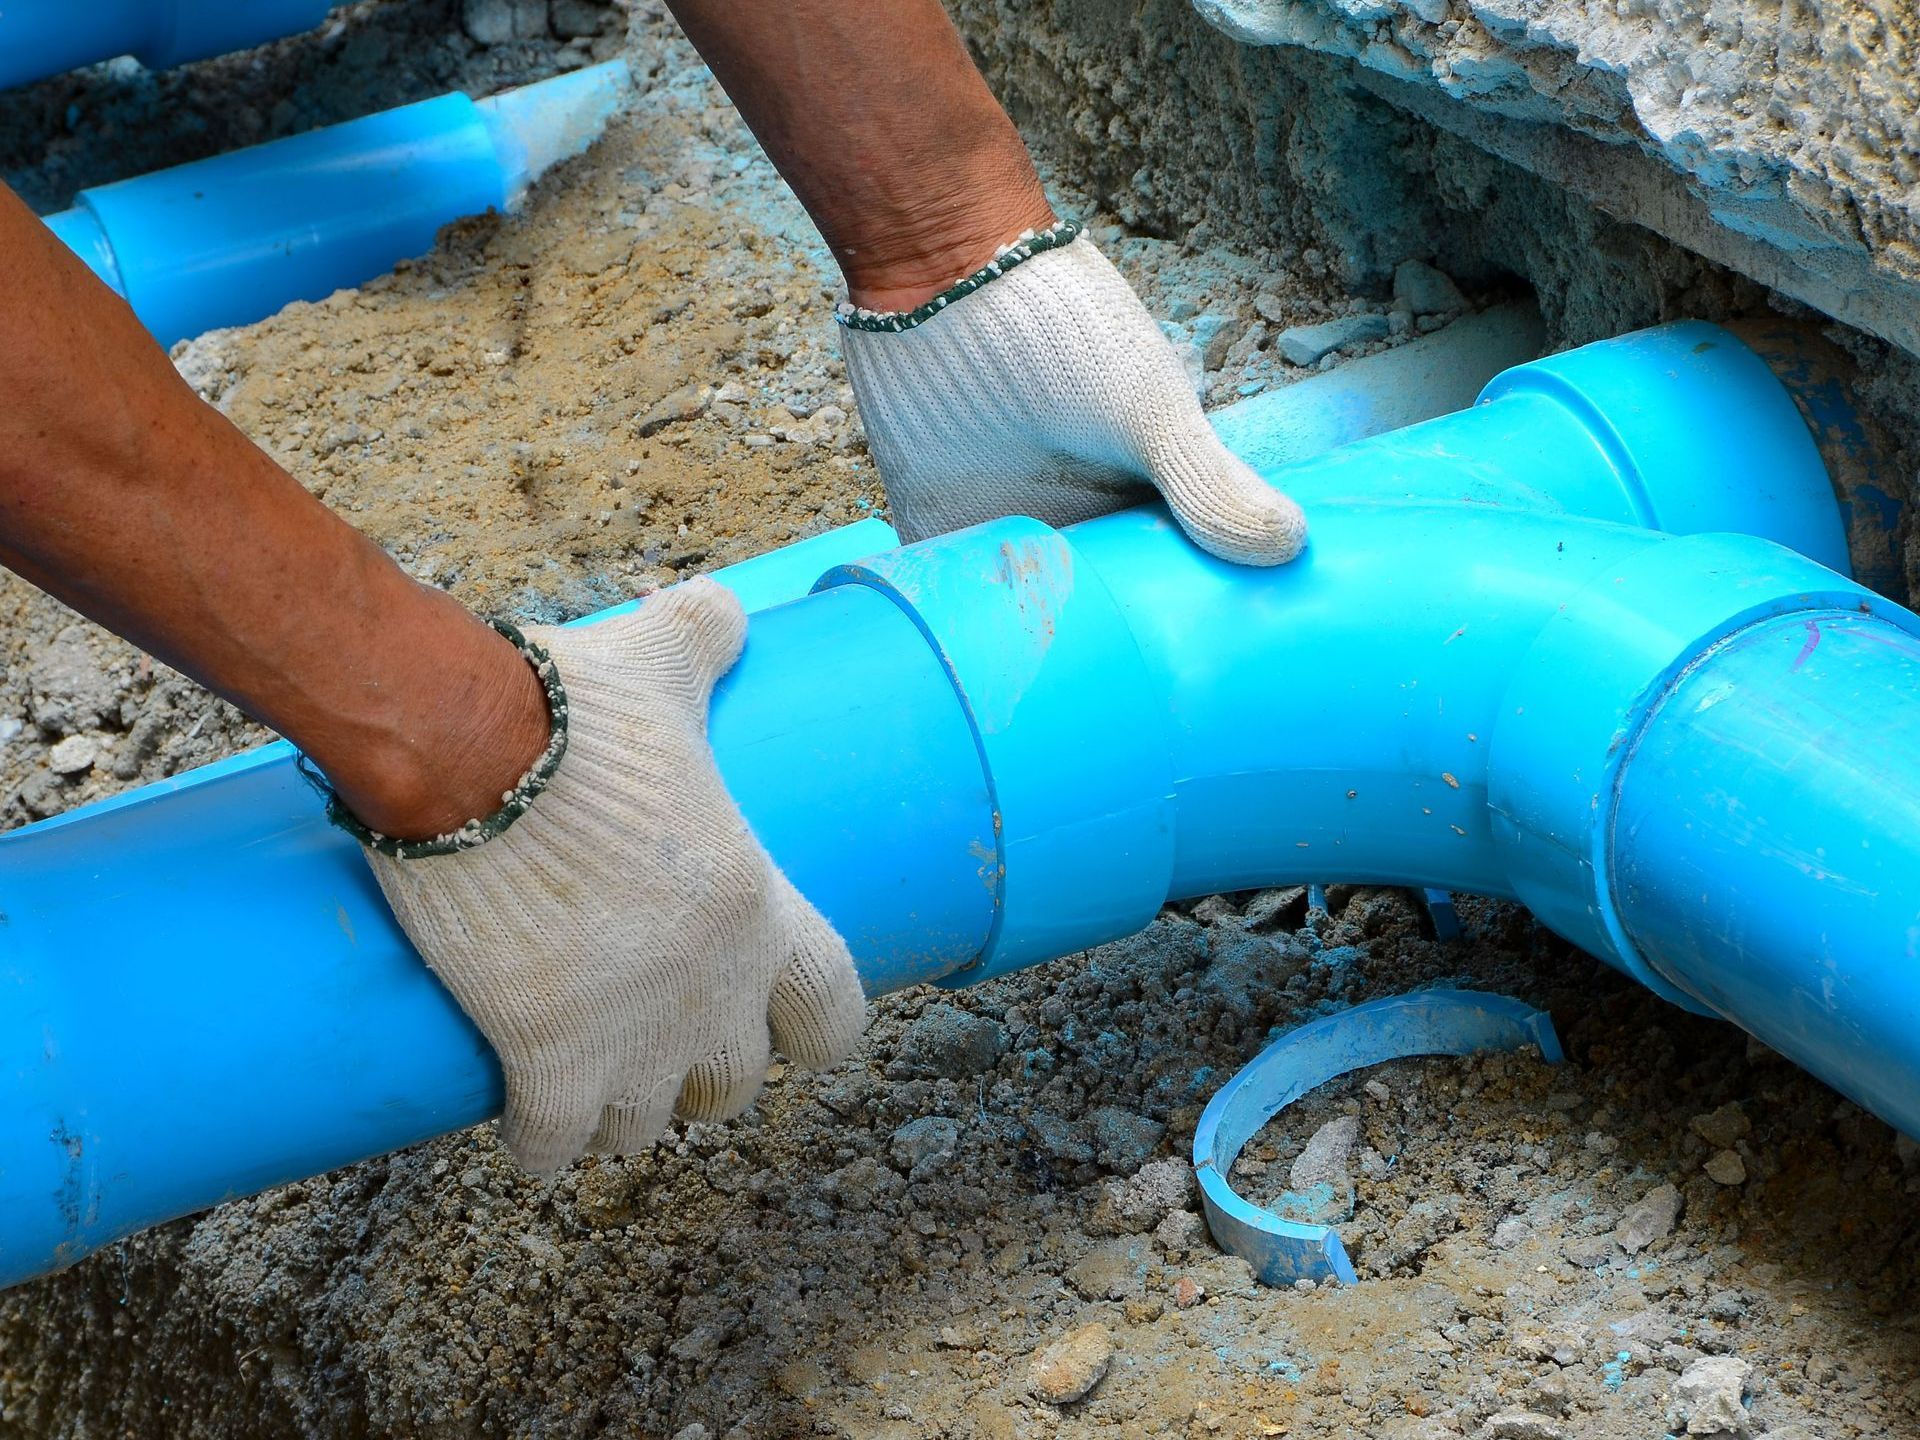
pixel 1617 176
pixel 1635 187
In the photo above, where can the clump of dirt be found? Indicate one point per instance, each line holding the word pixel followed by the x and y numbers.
pixel 635 380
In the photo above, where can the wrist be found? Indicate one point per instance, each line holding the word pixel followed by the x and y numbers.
pixel 923 251
pixel 459 737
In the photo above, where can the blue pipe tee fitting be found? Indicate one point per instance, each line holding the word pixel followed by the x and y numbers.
pixel 1484 674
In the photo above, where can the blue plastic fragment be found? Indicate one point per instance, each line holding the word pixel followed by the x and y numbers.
pixel 1440 912
pixel 1426 1022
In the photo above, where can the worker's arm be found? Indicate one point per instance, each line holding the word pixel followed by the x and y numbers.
pixel 127 497
pixel 544 815
pixel 1032 382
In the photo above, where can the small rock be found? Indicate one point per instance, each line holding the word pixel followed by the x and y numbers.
pixel 1307 344
pixel 1648 1219
pixel 1523 1425
pixel 573 19
pixel 1589 1252
pixel 1271 308
pixel 1726 1168
pixel 1510 1232
pixel 1067 1369
pixel 1549 1395
pixel 1215 910
pixel 1009 1259
pixel 686 403
pixel 948 1043
pixel 1149 1197
pixel 1109 1273
pixel 1425 290
pixel 1709 1396
pixel 70 690
pixel 1563 1345
pixel 1377 1091
pixel 1726 1306
pixel 1326 1156
pixel 1122 1140
pixel 495 22
pixel 1187 1293
pixel 1284 907
pixel 1214 336
pixel 732 393
pixel 1723 1128
pixel 1058 1137
pixel 1180 1234
pixel 140 745
pixel 924 1146
pixel 1249 344
pixel 73 755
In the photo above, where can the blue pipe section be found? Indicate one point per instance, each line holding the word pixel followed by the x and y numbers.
pixel 1013 743
pixel 232 239
pixel 44 37
pixel 1796 744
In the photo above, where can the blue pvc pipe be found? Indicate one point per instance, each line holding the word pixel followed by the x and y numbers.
pixel 1796 744
pixel 1013 742
pixel 44 37
pixel 232 239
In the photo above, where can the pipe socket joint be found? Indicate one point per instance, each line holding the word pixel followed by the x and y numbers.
pixel 1578 701
pixel 1026 631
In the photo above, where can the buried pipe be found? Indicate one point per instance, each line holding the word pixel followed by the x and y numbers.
pixel 43 37
pixel 1487 673
pixel 231 239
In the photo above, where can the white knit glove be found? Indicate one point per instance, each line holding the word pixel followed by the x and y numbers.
pixel 1040 386
pixel 626 943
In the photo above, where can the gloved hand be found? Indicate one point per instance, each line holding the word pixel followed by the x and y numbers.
pixel 1040 386
pixel 625 943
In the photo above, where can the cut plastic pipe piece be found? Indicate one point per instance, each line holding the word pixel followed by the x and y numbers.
pixel 1433 375
pixel 232 239
pixel 1012 743
pixel 1425 1022
pixel 44 37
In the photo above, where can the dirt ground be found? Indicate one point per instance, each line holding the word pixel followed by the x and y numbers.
pixel 635 380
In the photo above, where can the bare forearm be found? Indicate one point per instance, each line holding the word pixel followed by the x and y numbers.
pixel 876 116
pixel 127 497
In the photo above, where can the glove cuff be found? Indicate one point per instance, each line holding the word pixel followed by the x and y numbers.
pixel 514 803
pixel 1030 244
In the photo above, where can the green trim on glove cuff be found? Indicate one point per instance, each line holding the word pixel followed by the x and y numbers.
pixel 1025 248
pixel 515 802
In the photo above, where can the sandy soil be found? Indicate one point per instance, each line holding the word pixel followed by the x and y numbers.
pixel 633 381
